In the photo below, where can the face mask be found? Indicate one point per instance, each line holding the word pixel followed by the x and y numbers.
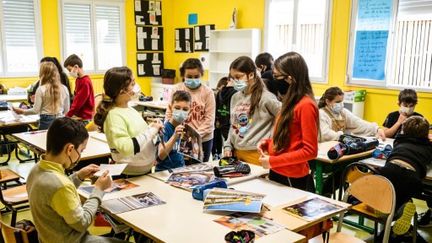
pixel 337 108
pixel 180 115
pixel 136 92
pixel 406 110
pixel 240 85
pixel 73 73
pixel 192 83
pixel 73 164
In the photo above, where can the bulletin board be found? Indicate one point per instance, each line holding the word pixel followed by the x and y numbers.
pixel 202 37
pixel 148 12
pixel 372 21
pixel 149 64
pixel 184 40
pixel 149 38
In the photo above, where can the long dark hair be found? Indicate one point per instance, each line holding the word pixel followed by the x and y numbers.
pixel 291 64
pixel 330 94
pixel 63 77
pixel 116 79
pixel 246 65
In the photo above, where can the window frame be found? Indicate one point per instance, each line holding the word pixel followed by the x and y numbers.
pixel 39 43
pixel 327 35
pixel 93 29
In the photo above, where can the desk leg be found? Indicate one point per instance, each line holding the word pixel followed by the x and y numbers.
pixel 319 177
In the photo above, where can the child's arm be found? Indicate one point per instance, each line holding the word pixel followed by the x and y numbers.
pixel 169 142
pixel 327 133
pixel 391 131
pixel 359 126
pixel 37 106
pixel 83 92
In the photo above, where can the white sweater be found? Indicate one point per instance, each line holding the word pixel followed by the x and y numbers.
pixel 354 125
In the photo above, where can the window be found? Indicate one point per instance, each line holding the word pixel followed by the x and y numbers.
pixel 301 26
pixel 20 45
pixel 94 31
pixel 408 61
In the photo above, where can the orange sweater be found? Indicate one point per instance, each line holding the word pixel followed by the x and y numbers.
pixel 303 146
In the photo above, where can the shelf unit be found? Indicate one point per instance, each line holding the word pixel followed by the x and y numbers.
pixel 226 46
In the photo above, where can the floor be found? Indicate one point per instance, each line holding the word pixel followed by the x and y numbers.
pixel 24 168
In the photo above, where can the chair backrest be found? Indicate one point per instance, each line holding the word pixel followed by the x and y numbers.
pixel 353 172
pixel 13 235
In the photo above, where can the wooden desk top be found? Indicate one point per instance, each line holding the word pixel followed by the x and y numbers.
pixel 95 147
pixel 324 147
pixel 7 119
pixel 181 219
pixel 6 97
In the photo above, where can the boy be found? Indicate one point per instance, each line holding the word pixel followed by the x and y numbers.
pixel 83 105
pixel 407 166
pixel 168 155
pixel 407 102
pixel 55 205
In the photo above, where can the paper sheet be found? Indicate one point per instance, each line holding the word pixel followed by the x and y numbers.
pixel 197 33
pixel 156 70
pixel 177 34
pixel 114 169
pixel 142 57
pixel 139 19
pixel 154 44
pixel 138 6
pixel 141 69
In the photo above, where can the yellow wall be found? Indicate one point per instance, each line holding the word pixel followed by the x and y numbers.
pixel 251 14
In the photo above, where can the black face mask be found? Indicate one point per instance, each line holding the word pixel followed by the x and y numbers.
pixel 282 87
pixel 73 164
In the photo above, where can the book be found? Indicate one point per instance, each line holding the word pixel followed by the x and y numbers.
pixel 118 185
pixel 220 199
pixel 188 180
pixel 259 224
pixel 126 204
pixel 312 209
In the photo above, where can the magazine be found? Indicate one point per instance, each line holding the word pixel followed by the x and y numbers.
pixel 190 145
pixel 188 180
pixel 118 185
pixel 126 204
pixel 201 167
pixel 312 209
pixel 259 224
pixel 220 199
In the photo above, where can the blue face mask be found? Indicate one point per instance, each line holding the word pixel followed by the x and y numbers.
pixel 192 83
pixel 180 115
pixel 240 85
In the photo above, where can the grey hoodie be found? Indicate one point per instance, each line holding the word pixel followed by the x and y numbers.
pixel 245 131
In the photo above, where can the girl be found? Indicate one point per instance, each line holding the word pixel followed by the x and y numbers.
pixel 129 137
pixel 253 110
pixel 295 139
pixel 202 112
pixel 51 98
pixel 335 120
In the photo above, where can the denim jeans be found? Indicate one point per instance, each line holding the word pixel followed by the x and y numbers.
pixel 45 121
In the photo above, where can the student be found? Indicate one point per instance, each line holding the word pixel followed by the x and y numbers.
pixel 51 98
pixel 335 120
pixel 63 79
pixel 55 205
pixel 222 123
pixel 295 135
pixel 169 157
pixel 264 63
pixel 83 104
pixel 253 111
pixel 407 102
pixel 129 137
pixel 202 112
pixel 406 167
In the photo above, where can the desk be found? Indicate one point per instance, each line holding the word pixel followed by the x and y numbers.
pixel 256 171
pixel 8 119
pixel 13 98
pixel 181 219
pixel 37 142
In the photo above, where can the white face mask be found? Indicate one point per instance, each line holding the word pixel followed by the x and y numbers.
pixel 337 108
pixel 136 92
pixel 240 85
pixel 406 110
pixel 73 74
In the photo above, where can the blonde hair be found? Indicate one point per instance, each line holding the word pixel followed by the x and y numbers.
pixel 49 75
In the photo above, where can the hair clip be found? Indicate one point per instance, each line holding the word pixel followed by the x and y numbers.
pixel 106 98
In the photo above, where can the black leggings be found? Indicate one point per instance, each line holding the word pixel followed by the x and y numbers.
pixel 305 183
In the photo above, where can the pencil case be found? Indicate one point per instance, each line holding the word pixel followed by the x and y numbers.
pixel 198 191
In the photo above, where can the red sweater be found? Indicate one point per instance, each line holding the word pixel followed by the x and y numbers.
pixel 83 103
pixel 303 146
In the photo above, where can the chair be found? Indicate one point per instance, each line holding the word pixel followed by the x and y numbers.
pixel 14 198
pixel 13 235
pixel 378 193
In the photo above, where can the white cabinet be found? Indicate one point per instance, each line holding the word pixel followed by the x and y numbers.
pixel 161 92
pixel 226 46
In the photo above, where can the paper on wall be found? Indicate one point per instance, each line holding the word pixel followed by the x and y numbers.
pixel 207 31
pixel 177 46
pixel 156 58
pixel 187 34
pixel 138 6
pixel 156 70
pixel 139 19
pixel 142 56
pixel 177 34
pixel 154 44
pixel 141 69
pixel 158 8
pixel 197 34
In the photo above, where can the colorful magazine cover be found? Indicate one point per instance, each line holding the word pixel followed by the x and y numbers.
pixel 220 199
pixel 126 204
pixel 188 180
pixel 190 145
pixel 201 167
pixel 312 209
pixel 118 185
pixel 259 224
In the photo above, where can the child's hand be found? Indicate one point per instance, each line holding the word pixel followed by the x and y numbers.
pixel 402 118
pixel 381 134
pixel 87 171
pixel 265 161
pixel 262 147
pixel 104 181
pixel 158 125
pixel 179 131
pixel 18 110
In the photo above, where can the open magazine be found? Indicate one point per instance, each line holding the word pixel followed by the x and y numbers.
pixel 126 204
pixel 190 145
pixel 220 199
pixel 188 180
pixel 117 185
pixel 312 209
pixel 259 224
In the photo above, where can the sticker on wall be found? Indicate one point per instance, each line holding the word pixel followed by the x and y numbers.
pixel 193 19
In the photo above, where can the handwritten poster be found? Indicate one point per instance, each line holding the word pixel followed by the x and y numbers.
pixel 374 14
